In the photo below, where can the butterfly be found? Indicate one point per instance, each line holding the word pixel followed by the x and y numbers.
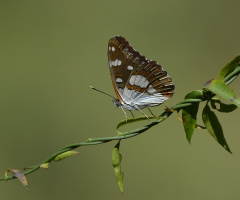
pixel 138 82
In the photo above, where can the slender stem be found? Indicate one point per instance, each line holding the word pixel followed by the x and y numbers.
pixel 125 135
pixel 230 77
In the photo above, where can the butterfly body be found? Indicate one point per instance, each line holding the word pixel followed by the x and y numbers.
pixel 137 81
pixel 127 106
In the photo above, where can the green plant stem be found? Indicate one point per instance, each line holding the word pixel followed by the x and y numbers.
pixel 232 76
pixel 95 141
pixel 125 135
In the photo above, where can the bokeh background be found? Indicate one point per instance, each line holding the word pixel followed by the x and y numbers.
pixel 52 51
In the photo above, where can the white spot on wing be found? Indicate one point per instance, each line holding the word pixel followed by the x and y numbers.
pixel 109 48
pixel 151 90
pixel 144 84
pixel 116 62
pixel 119 80
pixel 132 80
pixel 138 80
pixel 129 67
pixel 119 62
pixel 113 49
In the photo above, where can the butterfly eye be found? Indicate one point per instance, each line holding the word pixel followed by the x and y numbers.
pixel 117 103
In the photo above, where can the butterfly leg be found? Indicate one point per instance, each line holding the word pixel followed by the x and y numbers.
pixel 151 112
pixel 124 113
pixel 143 113
pixel 131 113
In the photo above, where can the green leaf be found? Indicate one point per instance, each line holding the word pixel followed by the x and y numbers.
pixel 65 155
pixel 44 165
pixel 214 127
pixel 189 114
pixel 221 89
pixel 223 107
pixel 198 126
pixel 228 68
pixel 116 162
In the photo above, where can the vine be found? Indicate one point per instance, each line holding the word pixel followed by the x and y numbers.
pixel 189 107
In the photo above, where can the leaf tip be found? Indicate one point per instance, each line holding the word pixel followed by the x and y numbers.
pixel 208 83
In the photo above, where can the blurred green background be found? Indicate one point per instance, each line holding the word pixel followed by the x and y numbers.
pixel 52 51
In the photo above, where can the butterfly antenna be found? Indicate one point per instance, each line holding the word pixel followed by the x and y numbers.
pixel 102 92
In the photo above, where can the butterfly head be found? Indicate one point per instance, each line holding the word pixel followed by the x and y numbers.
pixel 117 103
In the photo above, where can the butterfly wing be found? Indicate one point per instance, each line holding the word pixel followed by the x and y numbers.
pixel 137 80
pixel 120 64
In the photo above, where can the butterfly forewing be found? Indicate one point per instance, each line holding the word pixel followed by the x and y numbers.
pixel 137 80
pixel 120 57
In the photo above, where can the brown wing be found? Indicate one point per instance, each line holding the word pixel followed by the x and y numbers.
pixel 129 69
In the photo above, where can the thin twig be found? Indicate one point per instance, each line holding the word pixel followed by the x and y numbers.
pixel 125 135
